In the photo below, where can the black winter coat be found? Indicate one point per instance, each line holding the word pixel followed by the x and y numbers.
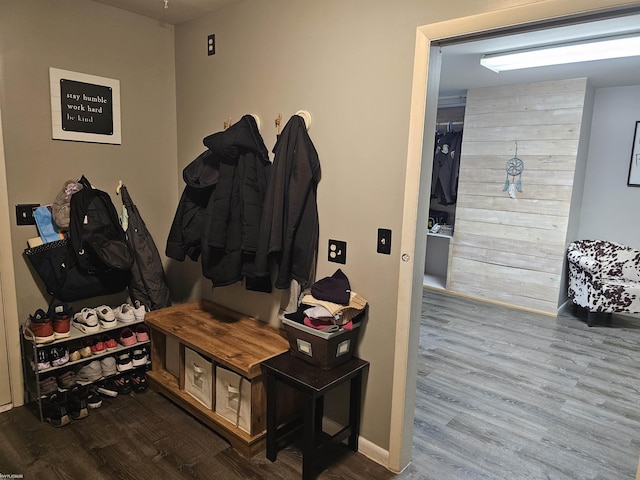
pixel 289 230
pixel 220 210
pixel 148 283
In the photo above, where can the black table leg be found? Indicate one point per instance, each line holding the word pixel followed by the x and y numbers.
pixel 309 441
pixel 272 426
pixel 354 411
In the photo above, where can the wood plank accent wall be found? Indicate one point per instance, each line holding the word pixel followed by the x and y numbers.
pixel 512 250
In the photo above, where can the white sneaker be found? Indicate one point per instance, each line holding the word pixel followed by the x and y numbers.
pixel 106 316
pixel 124 313
pixel 138 310
pixel 86 320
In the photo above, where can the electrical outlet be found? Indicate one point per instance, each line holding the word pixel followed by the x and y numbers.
pixel 337 251
pixel 24 213
pixel 211 44
pixel 384 241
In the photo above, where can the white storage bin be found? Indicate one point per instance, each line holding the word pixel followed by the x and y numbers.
pixel 233 398
pixel 198 377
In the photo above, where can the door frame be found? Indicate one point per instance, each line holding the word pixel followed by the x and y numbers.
pixel 9 300
pixel 423 111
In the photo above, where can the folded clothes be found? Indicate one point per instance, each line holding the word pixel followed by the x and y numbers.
pixel 346 312
pixel 326 324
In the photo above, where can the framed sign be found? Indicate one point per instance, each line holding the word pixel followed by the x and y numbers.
pixel 634 165
pixel 84 108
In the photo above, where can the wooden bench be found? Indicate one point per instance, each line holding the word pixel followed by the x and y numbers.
pixel 229 339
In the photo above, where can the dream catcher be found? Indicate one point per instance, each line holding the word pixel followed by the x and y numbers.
pixel 514 168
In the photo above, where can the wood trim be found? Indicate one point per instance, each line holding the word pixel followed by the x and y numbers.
pixel 410 273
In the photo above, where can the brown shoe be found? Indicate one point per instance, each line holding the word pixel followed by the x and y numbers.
pixel 60 314
pixel 39 326
pixel 61 327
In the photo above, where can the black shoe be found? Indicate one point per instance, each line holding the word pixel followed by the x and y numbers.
pixel 115 386
pixel 94 400
pixel 138 381
pixel 77 402
pixel 54 410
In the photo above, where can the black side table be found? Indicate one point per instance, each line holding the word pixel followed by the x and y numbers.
pixel 314 383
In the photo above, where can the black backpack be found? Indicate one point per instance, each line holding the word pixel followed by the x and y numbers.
pixel 96 236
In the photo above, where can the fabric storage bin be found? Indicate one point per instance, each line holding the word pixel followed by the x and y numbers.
pixel 198 377
pixel 323 349
pixel 233 398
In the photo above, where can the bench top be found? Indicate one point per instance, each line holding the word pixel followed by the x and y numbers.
pixel 230 338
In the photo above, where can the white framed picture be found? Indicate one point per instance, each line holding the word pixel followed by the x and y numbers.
pixel 634 164
pixel 84 108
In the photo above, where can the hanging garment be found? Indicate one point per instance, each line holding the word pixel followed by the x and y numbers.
pixel 219 213
pixel 289 227
pixel 185 236
pixel 148 283
pixel 446 165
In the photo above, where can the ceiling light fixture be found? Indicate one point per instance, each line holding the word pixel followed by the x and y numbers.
pixel 562 53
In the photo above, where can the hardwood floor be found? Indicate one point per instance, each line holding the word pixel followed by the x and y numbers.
pixel 501 394
pixel 506 394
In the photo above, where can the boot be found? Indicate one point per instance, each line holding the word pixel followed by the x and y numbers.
pixel 54 409
pixel 77 404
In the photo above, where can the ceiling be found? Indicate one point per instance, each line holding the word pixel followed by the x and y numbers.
pixel 461 68
pixel 177 11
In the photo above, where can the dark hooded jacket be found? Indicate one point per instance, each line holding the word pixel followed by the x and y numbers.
pixel 220 210
pixel 148 283
pixel 289 229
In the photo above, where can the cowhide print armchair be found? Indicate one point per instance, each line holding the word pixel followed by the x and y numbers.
pixel 604 277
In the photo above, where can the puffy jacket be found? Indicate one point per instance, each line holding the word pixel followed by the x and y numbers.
pixel 219 214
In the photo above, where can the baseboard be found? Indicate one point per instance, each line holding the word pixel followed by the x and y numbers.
pixel 365 447
pixel 373 452
pixel 6 408
pixel 563 308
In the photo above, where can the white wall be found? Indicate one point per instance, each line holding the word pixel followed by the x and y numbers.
pixel 609 206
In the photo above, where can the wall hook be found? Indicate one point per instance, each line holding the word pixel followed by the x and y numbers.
pixel 227 123
pixel 306 116
pixel 118 187
pixel 278 122
pixel 257 119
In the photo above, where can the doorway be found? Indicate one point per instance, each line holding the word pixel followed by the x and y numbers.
pixel 418 176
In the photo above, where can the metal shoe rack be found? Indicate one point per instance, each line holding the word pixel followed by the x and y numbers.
pixel 32 376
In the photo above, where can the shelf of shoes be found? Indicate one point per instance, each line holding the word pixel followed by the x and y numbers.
pixel 31 348
pixel 77 336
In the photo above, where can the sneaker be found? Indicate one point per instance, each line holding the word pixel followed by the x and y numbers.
pixel 142 333
pixel 124 314
pixel 115 386
pixel 124 362
pixel 48 386
pixel 44 359
pixel 60 314
pixel 67 380
pixel 138 310
pixel 77 402
pixel 108 365
pixel 75 355
pixel 139 357
pixel 85 351
pixel 138 382
pixel 97 346
pixel 109 343
pixel 39 326
pixel 54 409
pixel 86 321
pixel 106 316
pixel 127 337
pixel 59 355
pixel 89 373
pixel 94 400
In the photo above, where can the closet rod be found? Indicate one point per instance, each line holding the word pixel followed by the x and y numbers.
pixel 450 123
